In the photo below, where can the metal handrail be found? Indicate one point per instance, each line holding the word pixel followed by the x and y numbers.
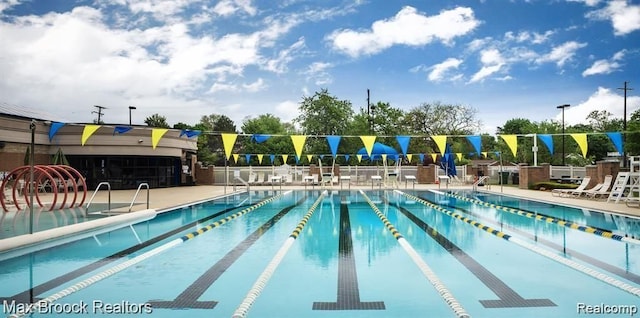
pixel 480 180
pixel 96 191
pixel 136 195
pixel 246 184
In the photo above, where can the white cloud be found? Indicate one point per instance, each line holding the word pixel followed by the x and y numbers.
pixel 279 64
pixel 591 3
pixel 602 99
pixel 445 26
pixel 287 110
pixel 605 66
pixel 229 7
pixel 318 73
pixel 624 17
pixel 6 4
pixel 439 71
pixel 561 54
pixel 492 62
pixel 529 37
pixel 256 86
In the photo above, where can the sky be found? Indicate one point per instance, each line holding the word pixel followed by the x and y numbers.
pixel 184 59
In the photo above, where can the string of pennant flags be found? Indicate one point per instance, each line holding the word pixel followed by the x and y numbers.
pixel 229 140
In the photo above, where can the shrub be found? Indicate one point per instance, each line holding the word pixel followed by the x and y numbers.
pixel 552 185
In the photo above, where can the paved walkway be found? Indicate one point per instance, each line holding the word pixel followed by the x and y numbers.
pixel 164 198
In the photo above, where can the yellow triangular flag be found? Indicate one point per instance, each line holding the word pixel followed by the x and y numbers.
pixel 459 155
pixel 309 157
pixel 359 158
pixel 228 140
pixel 260 158
pixel 298 144
pixel 384 157
pixel 434 156
pixel 409 157
pixel 368 142
pixel 284 159
pixel 235 157
pixel 156 135
pixel 512 142
pixel 441 142
pixel 88 131
pixel 581 139
pixel 484 153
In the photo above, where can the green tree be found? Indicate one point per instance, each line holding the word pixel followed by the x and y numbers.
pixel 442 119
pixel 157 121
pixel 267 124
pixel 323 114
pixel 518 126
pixel 632 140
pixel 210 146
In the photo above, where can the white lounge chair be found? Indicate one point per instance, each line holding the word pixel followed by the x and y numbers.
pixel 603 190
pixel 567 192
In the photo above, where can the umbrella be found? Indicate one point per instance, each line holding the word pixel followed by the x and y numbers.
pixel 378 149
pixel 447 162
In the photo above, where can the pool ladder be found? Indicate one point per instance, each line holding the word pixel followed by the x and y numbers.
pixel 479 181
pixel 144 184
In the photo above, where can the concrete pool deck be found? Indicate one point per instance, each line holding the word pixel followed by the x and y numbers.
pixel 165 198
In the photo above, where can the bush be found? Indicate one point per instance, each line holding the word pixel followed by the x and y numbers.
pixel 552 185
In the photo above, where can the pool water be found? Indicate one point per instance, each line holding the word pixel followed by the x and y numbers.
pixel 344 263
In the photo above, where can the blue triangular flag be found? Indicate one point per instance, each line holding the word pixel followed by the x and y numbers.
pixel 54 129
pixel 333 141
pixel 346 157
pixel 121 129
pixel 476 141
pixel 260 138
pixel 247 158
pixel 403 141
pixel 548 141
pixel 616 139
pixel 421 156
pixel 272 157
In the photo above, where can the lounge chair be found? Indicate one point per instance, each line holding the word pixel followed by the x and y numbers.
pixel 252 178
pixel 603 191
pixel 568 192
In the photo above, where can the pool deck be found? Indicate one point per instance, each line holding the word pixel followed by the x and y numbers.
pixel 165 198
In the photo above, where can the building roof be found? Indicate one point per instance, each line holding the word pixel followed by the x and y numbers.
pixel 24 112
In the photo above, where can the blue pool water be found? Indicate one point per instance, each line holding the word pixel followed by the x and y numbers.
pixel 344 263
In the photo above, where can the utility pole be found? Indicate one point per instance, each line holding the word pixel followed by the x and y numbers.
pixel 624 123
pixel 99 112
pixel 369 112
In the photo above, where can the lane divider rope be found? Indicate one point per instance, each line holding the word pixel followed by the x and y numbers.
pixel 264 278
pixel 33 308
pixel 422 265
pixel 565 261
pixel 548 219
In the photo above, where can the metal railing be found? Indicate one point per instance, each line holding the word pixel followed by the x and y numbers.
pixel 136 195
pixel 480 180
pixel 94 195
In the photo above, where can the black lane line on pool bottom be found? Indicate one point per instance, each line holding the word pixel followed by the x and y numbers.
pixel 27 295
pixel 188 298
pixel 348 290
pixel 559 248
pixel 509 298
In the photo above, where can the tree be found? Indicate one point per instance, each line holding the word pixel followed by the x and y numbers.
pixel 441 119
pixel 214 124
pixel 632 140
pixel 157 121
pixel 323 114
pixel 270 125
pixel 518 126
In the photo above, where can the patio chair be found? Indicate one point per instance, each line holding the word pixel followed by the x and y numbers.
pixel 603 191
pixel 567 192
pixel 260 180
pixel 252 178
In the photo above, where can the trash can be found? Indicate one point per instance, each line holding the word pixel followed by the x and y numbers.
pixel 504 177
pixel 515 178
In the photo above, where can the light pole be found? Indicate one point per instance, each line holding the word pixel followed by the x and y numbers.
pixel 563 107
pixel 130 109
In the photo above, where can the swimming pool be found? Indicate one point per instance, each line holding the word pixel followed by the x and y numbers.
pixel 490 255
